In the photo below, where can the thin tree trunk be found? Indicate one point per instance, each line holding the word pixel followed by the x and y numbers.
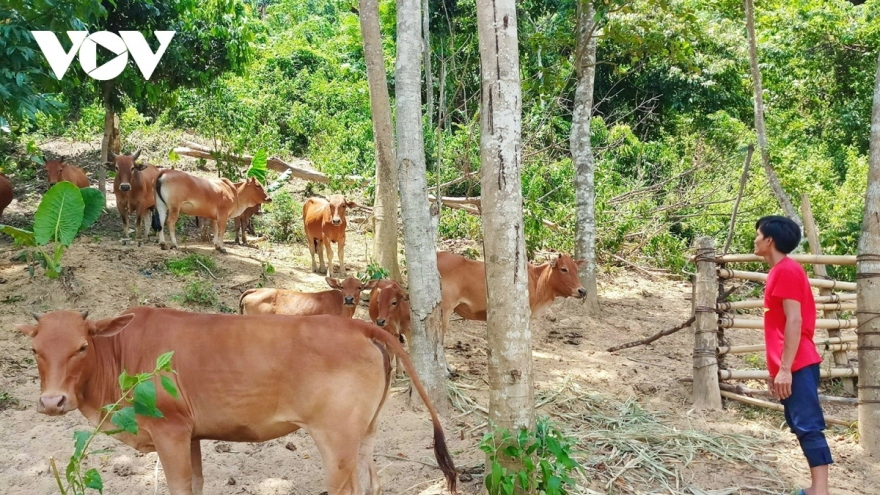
pixel 111 141
pixel 781 196
pixel 385 206
pixel 426 349
pixel 511 399
pixel 582 151
pixel 868 294
pixel 426 59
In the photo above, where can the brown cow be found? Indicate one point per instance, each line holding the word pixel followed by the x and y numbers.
pixel 240 379
pixel 342 300
pixel 324 222
pixel 463 285
pixel 59 171
pixel 389 309
pixel 5 193
pixel 134 188
pixel 215 199
pixel 243 222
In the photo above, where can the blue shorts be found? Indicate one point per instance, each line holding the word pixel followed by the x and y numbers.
pixel 804 416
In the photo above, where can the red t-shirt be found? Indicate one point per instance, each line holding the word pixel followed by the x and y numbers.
pixel 788 280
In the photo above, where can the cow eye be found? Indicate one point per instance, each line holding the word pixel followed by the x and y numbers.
pixel 564 270
pixel 394 303
pixel 83 348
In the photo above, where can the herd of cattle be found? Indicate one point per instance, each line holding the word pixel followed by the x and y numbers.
pixel 281 374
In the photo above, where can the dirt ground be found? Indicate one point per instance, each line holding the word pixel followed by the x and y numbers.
pixel 569 345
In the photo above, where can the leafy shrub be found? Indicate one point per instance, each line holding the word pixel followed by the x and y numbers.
pixel 545 454
pixel 374 271
pixel 191 263
pixel 282 219
pixel 199 292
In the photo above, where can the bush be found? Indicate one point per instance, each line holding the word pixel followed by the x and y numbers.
pixel 201 293
pixel 191 263
pixel 282 219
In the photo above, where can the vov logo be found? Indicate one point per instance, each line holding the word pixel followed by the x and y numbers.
pixel 86 44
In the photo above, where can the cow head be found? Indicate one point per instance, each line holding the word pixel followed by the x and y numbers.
pixel 351 289
pixel 564 280
pixel 62 342
pixel 54 169
pixel 124 166
pixel 393 304
pixel 252 193
pixel 338 204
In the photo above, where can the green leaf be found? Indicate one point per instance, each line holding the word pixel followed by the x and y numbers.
pixel 21 236
pixel 145 400
pixel 258 166
pixel 93 480
pixel 163 362
pixel 79 441
pixel 173 156
pixel 169 386
pixel 94 206
pixel 126 381
pixel 124 418
pixel 59 215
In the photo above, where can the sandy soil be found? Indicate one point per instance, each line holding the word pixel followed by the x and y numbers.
pixel 569 346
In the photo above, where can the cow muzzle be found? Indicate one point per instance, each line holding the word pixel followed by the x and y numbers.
pixel 581 293
pixel 125 186
pixel 336 221
pixel 381 323
pixel 349 301
pixel 53 405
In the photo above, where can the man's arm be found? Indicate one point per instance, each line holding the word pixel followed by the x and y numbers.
pixel 793 323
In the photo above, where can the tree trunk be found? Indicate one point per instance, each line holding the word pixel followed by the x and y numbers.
pixel 780 194
pixel 426 350
pixel 111 140
pixel 582 151
pixel 385 206
pixel 426 59
pixel 868 294
pixel 511 400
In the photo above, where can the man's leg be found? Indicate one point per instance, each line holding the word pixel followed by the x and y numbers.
pixel 804 417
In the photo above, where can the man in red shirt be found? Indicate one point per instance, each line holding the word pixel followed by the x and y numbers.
pixel 792 359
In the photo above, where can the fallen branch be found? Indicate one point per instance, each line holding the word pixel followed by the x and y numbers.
pixel 196 150
pixel 653 337
pixel 474 206
pixel 739 389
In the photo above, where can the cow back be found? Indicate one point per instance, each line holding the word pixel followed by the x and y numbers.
pixel 287 302
pixel 196 196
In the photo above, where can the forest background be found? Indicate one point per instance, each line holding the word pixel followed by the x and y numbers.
pixel 672 119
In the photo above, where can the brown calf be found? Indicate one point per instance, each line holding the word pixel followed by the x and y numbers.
pixel 215 199
pixel 135 191
pixel 243 222
pixel 463 285
pixel 324 222
pixel 5 193
pixel 239 379
pixel 389 309
pixel 342 300
pixel 59 171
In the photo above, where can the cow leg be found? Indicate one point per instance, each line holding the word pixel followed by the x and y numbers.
pixel 219 230
pixel 198 480
pixel 123 214
pixel 162 210
pixel 326 245
pixel 173 214
pixel 329 250
pixel 340 253
pixel 368 478
pixel 312 242
pixel 174 446
pixel 339 445
pixel 242 225
pixel 238 228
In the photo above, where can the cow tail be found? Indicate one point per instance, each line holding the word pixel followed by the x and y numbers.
pixel 156 221
pixel 444 460
pixel 155 224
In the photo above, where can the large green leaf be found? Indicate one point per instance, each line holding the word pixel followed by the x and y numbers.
pixel 94 206
pixel 258 166
pixel 124 418
pixel 59 215
pixel 21 236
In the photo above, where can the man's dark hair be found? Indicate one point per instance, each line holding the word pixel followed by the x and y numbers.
pixel 785 233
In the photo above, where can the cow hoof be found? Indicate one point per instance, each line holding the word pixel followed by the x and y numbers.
pixel 163 246
pixel 124 242
pixel 221 249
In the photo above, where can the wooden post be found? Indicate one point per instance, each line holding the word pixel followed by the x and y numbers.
pixel 840 357
pixel 707 394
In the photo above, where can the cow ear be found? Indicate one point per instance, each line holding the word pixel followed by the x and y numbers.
pixel 581 263
pixel 553 262
pixel 140 166
pixel 406 298
pixel 332 282
pixel 372 283
pixel 111 156
pixel 110 326
pixel 111 166
pixel 350 204
pixel 135 156
pixel 29 330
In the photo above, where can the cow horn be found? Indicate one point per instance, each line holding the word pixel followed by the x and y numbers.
pixel 135 156
pixel 85 314
pixel 37 316
pixel 111 156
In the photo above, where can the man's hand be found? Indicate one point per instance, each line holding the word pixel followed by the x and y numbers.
pixel 780 385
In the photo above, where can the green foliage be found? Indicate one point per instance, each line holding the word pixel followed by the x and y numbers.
pixel 64 211
pixel 374 271
pixel 282 219
pixel 258 167
pixel 199 292
pixel 138 399
pixel 191 263
pixel 266 271
pixel 545 456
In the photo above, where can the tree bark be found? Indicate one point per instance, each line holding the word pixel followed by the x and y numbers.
pixel 426 350
pixel 706 392
pixel 868 294
pixel 111 140
pixel 775 186
pixel 511 399
pixel 385 205
pixel 582 151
